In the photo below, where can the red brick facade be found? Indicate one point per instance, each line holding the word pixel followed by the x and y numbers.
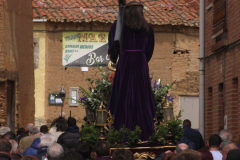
pixel 222 67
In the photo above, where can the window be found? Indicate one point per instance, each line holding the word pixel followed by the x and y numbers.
pixel 219 18
pixel 74 95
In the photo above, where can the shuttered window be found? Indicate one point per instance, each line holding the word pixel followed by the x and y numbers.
pixel 219 18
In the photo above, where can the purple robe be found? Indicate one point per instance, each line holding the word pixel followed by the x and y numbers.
pixel 132 101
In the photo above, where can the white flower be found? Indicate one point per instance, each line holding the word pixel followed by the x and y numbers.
pixel 89 99
pixel 104 81
pixel 92 90
pixel 159 82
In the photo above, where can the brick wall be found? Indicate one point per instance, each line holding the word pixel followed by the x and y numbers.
pixel 175 57
pixel 16 58
pixel 222 75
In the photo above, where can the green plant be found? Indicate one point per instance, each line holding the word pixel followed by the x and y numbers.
pixel 114 137
pixel 99 91
pixel 153 139
pixel 175 126
pixel 161 132
pixel 160 93
pixel 90 134
pixel 133 136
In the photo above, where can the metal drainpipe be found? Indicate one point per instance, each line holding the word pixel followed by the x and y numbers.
pixel 201 69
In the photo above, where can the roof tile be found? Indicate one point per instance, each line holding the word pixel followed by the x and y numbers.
pixel 156 12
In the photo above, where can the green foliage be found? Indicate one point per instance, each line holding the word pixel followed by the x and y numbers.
pixel 160 93
pixel 99 91
pixel 134 136
pixel 114 137
pixel 153 139
pixel 90 134
pixel 175 126
pixel 161 133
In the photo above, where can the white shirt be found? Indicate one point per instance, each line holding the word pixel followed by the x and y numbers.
pixel 216 155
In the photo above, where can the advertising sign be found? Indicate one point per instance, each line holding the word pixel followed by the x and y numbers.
pixel 80 49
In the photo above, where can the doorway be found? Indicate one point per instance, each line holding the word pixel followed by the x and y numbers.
pixel 11 105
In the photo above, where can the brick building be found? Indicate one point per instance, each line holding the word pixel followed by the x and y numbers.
pixel 175 55
pixel 16 64
pixel 222 64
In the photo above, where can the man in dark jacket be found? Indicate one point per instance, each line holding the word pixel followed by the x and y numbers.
pixel 102 151
pixel 46 140
pixel 192 134
pixel 70 139
pixel 5 149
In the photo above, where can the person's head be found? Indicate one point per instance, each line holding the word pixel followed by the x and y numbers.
pixel 227 148
pixel 233 155
pixel 29 125
pixel 55 151
pixel 62 115
pixel 188 154
pixel 226 135
pixel 9 135
pixel 60 123
pixel 14 146
pixel 214 141
pixel 21 131
pixel 169 156
pixel 5 147
pixel 4 130
pixel 121 154
pixel 181 147
pixel 33 130
pixel 187 123
pixel 102 148
pixel 46 140
pixel 71 121
pixel 206 154
pixel 72 156
pixel 29 158
pixel 83 149
pixel 134 18
pixel 44 129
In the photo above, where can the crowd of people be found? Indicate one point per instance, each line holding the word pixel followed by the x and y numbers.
pixel 192 147
pixel 63 142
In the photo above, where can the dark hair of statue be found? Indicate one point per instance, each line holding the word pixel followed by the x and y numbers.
pixel 60 123
pixel 134 18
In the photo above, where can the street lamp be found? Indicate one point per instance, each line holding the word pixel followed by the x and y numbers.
pixel 168 112
pixel 168 115
pixel 101 119
pixel 62 94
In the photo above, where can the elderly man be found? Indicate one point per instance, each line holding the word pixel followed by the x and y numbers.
pixel 26 142
pixel 15 154
pixel 180 148
pixel 55 152
pixel 226 137
pixel 26 132
pixel 46 140
pixel 227 148
pixel 5 149
pixel 4 130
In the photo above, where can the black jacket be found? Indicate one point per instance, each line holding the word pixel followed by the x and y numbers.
pixel 194 136
pixel 15 156
pixel 69 139
pixel 42 151
pixel 4 156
